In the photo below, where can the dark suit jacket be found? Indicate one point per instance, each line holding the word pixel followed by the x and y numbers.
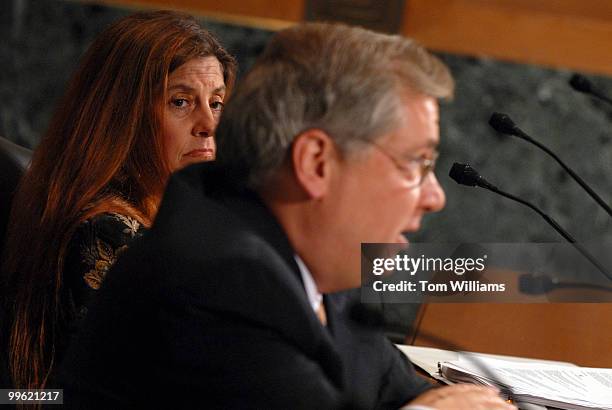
pixel 208 310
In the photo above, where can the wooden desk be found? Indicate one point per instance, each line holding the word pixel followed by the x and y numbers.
pixel 580 333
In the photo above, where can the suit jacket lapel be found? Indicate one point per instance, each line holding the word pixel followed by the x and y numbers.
pixel 248 207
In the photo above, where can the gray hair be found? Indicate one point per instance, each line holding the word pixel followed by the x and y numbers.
pixel 346 81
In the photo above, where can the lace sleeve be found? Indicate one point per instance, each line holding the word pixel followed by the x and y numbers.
pixel 94 249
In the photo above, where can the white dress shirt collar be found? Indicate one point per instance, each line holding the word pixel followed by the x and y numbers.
pixel 314 296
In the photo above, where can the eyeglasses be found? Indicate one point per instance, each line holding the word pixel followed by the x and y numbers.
pixel 415 170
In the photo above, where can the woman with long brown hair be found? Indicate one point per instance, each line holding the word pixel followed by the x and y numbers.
pixel 144 102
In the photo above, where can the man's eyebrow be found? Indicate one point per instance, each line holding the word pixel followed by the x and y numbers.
pixel 429 144
pixel 410 153
pixel 188 88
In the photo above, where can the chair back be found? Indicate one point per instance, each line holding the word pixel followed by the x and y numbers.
pixel 14 160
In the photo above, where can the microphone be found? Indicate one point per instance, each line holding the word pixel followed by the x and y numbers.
pixel 582 84
pixel 541 284
pixel 465 175
pixel 503 123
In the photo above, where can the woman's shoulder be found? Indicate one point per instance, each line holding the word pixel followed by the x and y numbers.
pixel 114 228
pixel 99 241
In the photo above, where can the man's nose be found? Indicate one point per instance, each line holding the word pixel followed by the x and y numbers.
pixel 432 198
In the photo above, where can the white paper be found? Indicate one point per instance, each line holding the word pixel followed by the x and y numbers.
pixel 540 383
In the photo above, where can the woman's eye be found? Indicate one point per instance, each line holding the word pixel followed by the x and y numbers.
pixel 217 105
pixel 179 102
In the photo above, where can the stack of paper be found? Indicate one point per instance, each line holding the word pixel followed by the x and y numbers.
pixel 563 387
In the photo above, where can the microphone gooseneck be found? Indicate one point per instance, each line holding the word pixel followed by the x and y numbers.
pixel 503 123
pixel 465 175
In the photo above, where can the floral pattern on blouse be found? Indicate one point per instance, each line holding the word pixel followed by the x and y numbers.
pixel 101 255
pixel 93 249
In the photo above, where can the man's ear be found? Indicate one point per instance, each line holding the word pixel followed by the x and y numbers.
pixel 312 156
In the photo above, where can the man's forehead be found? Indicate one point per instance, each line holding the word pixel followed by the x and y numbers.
pixel 418 127
pixel 422 105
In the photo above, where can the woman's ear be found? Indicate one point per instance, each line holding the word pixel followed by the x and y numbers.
pixel 313 155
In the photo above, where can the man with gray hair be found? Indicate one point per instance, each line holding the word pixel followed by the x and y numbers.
pixel 233 299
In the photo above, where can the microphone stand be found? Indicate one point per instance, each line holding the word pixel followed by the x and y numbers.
pixel 504 124
pixel 466 175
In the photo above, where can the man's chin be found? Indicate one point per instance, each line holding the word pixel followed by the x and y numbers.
pixel 402 243
pixel 401 239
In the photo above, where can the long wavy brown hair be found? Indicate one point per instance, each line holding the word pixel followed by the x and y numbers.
pixel 103 152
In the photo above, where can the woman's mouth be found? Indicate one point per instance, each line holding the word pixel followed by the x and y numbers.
pixel 201 153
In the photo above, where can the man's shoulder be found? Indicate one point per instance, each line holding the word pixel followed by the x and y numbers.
pixel 210 253
pixel 190 215
pixel 196 180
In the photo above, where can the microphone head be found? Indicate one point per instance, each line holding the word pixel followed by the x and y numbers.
pixel 581 83
pixel 503 123
pixel 530 284
pixel 464 174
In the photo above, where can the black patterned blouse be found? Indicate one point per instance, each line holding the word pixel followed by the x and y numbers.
pixel 93 249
